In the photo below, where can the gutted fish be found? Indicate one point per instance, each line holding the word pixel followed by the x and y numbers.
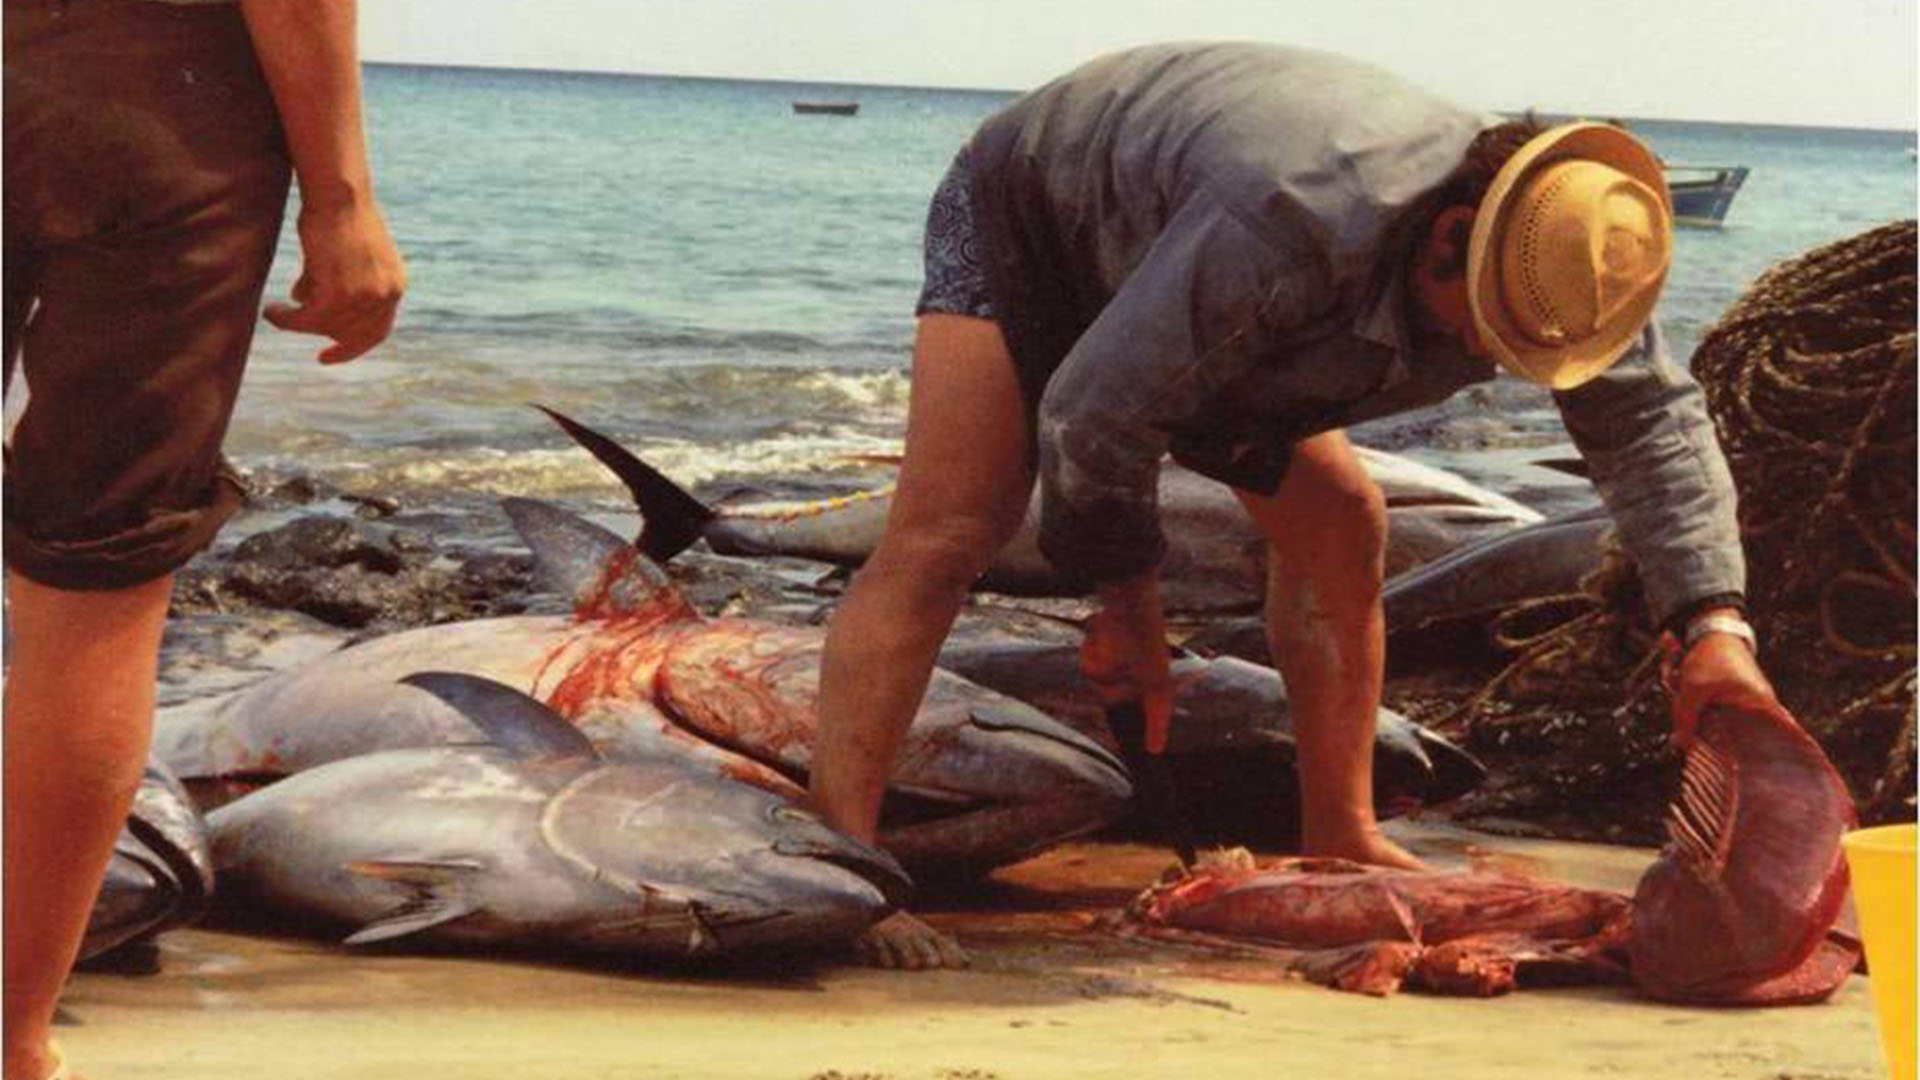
pixel 1372 930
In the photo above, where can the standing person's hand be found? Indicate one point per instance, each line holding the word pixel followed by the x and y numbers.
pixel 351 276
pixel 351 281
pixel 1124 655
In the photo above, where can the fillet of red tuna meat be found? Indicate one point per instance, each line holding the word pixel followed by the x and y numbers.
pixel 1371 930
pixel 1740 907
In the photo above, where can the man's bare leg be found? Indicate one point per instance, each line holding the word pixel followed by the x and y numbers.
pixel 1326 531
pixel 79 715
pixel 962 492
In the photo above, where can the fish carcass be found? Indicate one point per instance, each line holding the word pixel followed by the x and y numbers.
pixel 535 840
pixel 1371 930
pixel 1215 559
pixel 981 779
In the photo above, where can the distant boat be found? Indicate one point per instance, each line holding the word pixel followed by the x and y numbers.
pixel 1702 193
pixel 827 108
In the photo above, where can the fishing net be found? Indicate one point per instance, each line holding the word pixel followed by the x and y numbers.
pixel 1810 378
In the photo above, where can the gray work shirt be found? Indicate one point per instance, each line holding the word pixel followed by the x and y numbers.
pixel 1201 249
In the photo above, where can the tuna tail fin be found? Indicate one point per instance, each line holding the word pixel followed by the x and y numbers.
pixel 600 572
pixel 437 897
pixel 671 518
pixel 513 721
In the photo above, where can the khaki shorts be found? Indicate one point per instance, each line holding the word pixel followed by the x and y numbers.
pixel 146 178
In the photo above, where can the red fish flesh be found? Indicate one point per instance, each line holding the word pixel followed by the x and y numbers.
pixel 1370 929
pixel 1739 907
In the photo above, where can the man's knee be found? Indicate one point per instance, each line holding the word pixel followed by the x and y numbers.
pixel 942 558
pixel 1340 519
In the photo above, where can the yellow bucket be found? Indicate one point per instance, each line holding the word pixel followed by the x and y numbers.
pixel 1883 870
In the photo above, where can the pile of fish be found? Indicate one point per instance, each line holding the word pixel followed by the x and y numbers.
pixel 662 822
pixel 1738 910
pixel 625 776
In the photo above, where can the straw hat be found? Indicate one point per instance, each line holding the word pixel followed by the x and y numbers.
pixel 1569 250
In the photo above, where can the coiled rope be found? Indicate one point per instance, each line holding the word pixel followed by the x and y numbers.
pixel 1810 378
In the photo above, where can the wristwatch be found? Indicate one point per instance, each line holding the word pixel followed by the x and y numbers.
pixel 1703 625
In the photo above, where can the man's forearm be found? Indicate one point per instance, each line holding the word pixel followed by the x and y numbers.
pixel 311 57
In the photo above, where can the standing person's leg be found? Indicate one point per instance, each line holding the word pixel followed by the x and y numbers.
pixel 962 493
pixel 150 205
pixel 1326 531
pixel 79 711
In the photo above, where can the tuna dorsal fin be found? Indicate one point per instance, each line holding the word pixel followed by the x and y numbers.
pixel 671 519
pixel 437 896
pixel 601 573
pixel 513 721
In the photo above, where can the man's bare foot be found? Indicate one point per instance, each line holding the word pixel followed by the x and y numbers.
pixel 902 941
pixel 1369 847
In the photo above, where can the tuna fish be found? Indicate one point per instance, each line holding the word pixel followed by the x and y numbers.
pixel 981 779
pixel 1370 930
pixel 161 874
pixel 535 840
pixel 1231 746
pixel 1215 560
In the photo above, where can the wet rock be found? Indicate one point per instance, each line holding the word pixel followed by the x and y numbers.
pixel 356 574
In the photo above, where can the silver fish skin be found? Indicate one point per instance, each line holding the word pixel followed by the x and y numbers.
pixel 477 846
pixel 1543 559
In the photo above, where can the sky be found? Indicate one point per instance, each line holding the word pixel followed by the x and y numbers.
pixel 1843 63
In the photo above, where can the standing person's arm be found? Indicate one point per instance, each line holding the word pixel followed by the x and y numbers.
pixel 351 275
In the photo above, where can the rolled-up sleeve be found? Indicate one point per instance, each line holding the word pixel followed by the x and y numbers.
pixel 1203 305
pixel 1650 446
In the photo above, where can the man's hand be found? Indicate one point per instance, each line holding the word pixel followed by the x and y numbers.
pixel 351 281
pixel 1719 670
pixel 1124 655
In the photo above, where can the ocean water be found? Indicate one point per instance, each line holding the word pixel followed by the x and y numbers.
pixel 728 286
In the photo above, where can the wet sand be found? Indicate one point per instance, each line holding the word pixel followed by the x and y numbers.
pixel 1048 997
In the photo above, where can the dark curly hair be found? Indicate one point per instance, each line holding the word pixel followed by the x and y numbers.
pixel 1468 184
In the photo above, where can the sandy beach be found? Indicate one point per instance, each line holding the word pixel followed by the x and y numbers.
pixel 1049 997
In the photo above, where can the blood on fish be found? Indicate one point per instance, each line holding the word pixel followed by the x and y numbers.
pixel 606 658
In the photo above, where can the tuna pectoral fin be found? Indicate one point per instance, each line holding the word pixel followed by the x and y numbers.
pixel 673 519
pixel 513 721
pixel 437 897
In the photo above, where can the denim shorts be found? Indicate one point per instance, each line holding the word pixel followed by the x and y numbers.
pixel 956 282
